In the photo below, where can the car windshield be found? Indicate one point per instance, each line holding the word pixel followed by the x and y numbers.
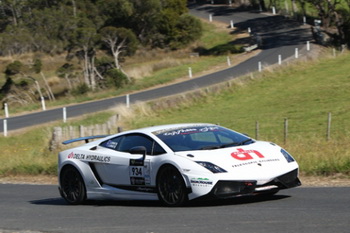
pixel 201 138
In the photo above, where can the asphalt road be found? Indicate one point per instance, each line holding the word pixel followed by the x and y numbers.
pixel 279 36
pixel 38 208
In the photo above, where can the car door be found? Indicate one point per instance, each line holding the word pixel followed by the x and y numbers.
pixel 126 169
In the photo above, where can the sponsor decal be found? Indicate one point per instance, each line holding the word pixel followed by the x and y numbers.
pixel 92 158
pixel 136 162
pixel 140 175
pixel 259 162
pixel 100 158
pixel 203 182
pixel 146 189
pixel 70 156
pixel 242 154
pixel 111 144
pixel 250 157
pixel 137 181
pixel 188 131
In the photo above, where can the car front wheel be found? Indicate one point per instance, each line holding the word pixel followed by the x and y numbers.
pixel 72 187
pixel 171 187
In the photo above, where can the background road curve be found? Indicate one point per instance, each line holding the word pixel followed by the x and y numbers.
pixel 279 36
pixel 39 208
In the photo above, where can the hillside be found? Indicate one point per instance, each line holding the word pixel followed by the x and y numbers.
pixel 304 94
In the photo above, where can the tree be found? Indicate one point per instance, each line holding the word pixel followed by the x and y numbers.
pixel 66 72
pixel 188 29
pixel 115 12
pixel 330 15
pixel 145 19
pixel 121 42
pixel 13 68
pixel 37 66
pixel 84 41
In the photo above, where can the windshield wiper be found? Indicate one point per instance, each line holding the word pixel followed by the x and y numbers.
pixel 245 141
pixel 210 147
pixel 236 143
pixel 230 144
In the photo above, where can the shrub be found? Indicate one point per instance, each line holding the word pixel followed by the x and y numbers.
pixel 81 89
pixel 116 78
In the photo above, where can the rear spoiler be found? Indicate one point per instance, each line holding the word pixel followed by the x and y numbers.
pixel 84 138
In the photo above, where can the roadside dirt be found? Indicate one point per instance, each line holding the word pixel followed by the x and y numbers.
pixel 307 181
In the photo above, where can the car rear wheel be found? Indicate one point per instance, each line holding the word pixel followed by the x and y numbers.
pixel 171 187
pixel 72 187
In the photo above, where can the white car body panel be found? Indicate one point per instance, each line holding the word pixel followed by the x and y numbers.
pixel 112 174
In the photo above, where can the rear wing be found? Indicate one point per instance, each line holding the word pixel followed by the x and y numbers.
pixel 86 139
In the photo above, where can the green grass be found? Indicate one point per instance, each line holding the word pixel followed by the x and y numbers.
pixel 28 153
pixel 303 93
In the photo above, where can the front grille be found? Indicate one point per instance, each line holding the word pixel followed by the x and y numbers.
pixel 288 180
pixel 224 189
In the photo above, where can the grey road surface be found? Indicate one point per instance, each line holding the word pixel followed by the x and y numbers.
pixel 38 208
pixel 279 36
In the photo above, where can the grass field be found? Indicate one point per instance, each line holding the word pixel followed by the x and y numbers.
pixel 304 93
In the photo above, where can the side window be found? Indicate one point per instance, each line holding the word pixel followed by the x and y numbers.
pixel 157 149
pixel 111 143
pixel 132 140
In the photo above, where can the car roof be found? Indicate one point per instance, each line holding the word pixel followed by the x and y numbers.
pixel 169 127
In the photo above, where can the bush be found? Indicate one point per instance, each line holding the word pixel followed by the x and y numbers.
pixel 116 78
pixel 81 89
pixel 226 49
pixel 13 68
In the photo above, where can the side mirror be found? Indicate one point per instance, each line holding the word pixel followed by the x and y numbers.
pixel 139 150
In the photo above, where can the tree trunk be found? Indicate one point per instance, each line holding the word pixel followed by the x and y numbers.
pixel 70 87
pixel 50 93
pixel 86 68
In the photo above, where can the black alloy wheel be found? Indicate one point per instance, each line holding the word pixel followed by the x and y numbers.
pixel 72 186
pixel 171 187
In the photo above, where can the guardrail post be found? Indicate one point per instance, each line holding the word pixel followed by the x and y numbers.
pixel 6 110
pixel 64 114
pixel 189 72
pixel 43 103
pixel 228 61
pixel 5 127
pixel 308 45
pixel 128 101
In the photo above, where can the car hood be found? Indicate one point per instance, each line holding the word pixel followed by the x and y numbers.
pixel 256 159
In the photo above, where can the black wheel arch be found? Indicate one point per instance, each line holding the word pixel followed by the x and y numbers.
pixel 79 173
pixel 170 165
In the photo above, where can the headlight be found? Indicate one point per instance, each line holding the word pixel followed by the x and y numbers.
pixel 287 156
pixel 211 167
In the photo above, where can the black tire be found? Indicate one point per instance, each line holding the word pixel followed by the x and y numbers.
pixel 171 187
pixel 72 187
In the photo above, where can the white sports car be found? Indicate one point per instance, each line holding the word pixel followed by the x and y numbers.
pixel 174 164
